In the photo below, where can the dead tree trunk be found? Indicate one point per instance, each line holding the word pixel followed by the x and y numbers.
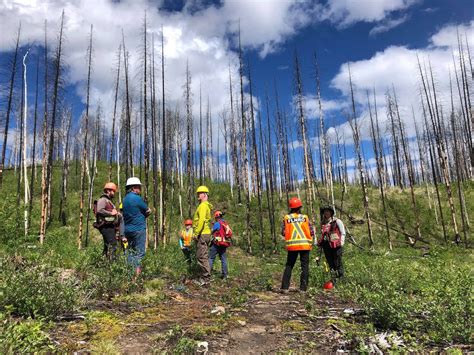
pixel 85 145
pixel 378 159
pixel 9 103
pixel 117 81
pixel 49 165
pixel 356 135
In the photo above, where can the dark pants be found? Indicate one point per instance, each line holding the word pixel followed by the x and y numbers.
pixel 290 262
pixel 221 251
pixel 110 242
pixel 334 259
pixel 202 255
pixel 187 254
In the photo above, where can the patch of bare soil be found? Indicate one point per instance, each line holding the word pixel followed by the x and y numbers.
pixel 265 322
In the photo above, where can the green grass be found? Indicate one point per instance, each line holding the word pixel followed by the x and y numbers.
pixel 428 298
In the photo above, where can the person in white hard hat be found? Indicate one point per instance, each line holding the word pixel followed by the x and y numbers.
pixel 135 211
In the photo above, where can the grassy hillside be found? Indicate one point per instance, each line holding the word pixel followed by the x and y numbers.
pixel 54 297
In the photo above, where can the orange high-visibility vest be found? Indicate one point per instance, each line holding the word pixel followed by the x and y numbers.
pixel 297 232
pixel 187 236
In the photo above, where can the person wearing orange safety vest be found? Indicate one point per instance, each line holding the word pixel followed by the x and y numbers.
pixel 298 233
pixel 185 239
pixel 332 241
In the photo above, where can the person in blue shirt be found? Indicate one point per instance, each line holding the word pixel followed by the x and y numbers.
pixel 135 212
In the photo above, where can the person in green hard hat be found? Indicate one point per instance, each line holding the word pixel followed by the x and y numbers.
pixel 202 233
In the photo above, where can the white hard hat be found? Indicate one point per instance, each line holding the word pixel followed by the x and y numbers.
pixel 133 181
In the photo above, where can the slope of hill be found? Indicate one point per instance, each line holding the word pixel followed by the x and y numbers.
pixel 57 298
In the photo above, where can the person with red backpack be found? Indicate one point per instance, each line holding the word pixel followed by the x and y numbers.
pixel 109 221
pixel 332 241
pixel 221 240
pixel 298 233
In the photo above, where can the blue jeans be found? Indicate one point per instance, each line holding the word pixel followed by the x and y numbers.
pixel 222 254
pixel 136 244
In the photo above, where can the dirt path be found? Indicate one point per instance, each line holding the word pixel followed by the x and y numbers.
pixel 228 318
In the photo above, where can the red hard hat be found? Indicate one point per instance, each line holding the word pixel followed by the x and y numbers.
pixel 328 285
pixel 217 214
pixel 295 202
pixel 188 222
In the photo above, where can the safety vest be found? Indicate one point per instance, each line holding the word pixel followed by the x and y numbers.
pixel 187 236
pixel 330 232
pixel 297 232
pixel 109 206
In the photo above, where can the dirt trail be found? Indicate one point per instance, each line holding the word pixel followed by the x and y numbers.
pixel 229 316
pixel 267 322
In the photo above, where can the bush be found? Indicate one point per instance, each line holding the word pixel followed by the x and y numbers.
pixel 414 295
pixel 23 337
pixel 36 291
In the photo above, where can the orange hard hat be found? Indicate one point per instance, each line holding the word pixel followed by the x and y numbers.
pixel 328 285
pixel 110 186
pixel 188 222
pixel 295 202
pixel 217 214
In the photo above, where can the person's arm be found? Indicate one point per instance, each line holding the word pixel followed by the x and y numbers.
pixel 181 242
pixel 142 205
pixel 101 208
pixel 342 229
pixel 216 227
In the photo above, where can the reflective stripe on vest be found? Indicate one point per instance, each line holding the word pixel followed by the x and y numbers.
pixel 187 236
pixel 297 232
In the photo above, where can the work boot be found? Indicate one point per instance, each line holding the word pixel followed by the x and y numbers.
pixel 284 291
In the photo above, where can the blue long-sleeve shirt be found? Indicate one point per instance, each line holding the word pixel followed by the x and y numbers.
pixel 134 212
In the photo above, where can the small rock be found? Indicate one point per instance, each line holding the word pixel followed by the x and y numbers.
pixel 202 347
pixel 218 310
pixel 349 311
pixel 242 322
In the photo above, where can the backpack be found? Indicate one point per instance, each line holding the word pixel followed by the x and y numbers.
pixel 223 235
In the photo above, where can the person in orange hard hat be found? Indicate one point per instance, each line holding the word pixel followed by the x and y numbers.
pixel 298 233
pixel 185 239
pixel 109 221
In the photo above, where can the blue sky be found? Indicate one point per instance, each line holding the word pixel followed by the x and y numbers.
pixel 380 39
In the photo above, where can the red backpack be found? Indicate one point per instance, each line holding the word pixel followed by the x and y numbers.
pixel 222 237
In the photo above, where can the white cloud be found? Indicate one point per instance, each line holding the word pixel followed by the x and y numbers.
pixel 348 12
pixel 387 25
pixel 396 67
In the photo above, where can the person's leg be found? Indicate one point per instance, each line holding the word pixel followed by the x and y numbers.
pixel 304 260
pixel 140 249
pixel 338 266
pixel 121 227
pixel 187 255
pixel 223 256
pixel 290 262
pixel 131 255
pixel 202 256
pixel 110 243
pixel 329 254
pixel 212 255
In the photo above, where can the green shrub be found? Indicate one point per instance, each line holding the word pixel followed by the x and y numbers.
pixel 414 295
pixel 23 337
pixel 37 291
